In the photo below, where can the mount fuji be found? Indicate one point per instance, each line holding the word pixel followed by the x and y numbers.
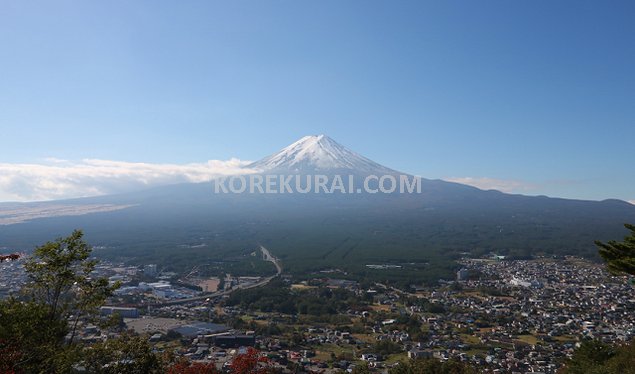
pixel 178 225
pixel 317 153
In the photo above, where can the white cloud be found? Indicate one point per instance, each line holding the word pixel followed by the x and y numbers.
pixel 59 179
pixel 504 185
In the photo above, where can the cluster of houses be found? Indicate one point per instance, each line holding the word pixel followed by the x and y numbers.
pixel 12 277
pixel 534 315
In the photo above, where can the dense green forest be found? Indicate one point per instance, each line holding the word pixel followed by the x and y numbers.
pixel 278 297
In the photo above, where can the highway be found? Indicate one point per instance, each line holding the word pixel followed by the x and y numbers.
pixel 267 256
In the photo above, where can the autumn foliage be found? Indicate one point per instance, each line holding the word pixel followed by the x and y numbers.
pixel 9 356
pixel 11 257
pixel 250 362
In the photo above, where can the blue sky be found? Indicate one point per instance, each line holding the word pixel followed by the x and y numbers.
pixel 537 96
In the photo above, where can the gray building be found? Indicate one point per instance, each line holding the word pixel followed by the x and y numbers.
pixel 462 275
pixel 124 312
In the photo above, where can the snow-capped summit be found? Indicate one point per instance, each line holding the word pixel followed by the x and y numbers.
pixel 317 153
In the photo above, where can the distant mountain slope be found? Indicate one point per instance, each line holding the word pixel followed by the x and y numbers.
pixel 317 231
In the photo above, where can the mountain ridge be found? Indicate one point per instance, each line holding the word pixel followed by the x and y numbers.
pixel 312 231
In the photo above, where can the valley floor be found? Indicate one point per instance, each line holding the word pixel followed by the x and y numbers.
pixel 511 316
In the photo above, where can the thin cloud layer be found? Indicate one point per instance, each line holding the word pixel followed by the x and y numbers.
pixel 60 179
pixel 503 185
